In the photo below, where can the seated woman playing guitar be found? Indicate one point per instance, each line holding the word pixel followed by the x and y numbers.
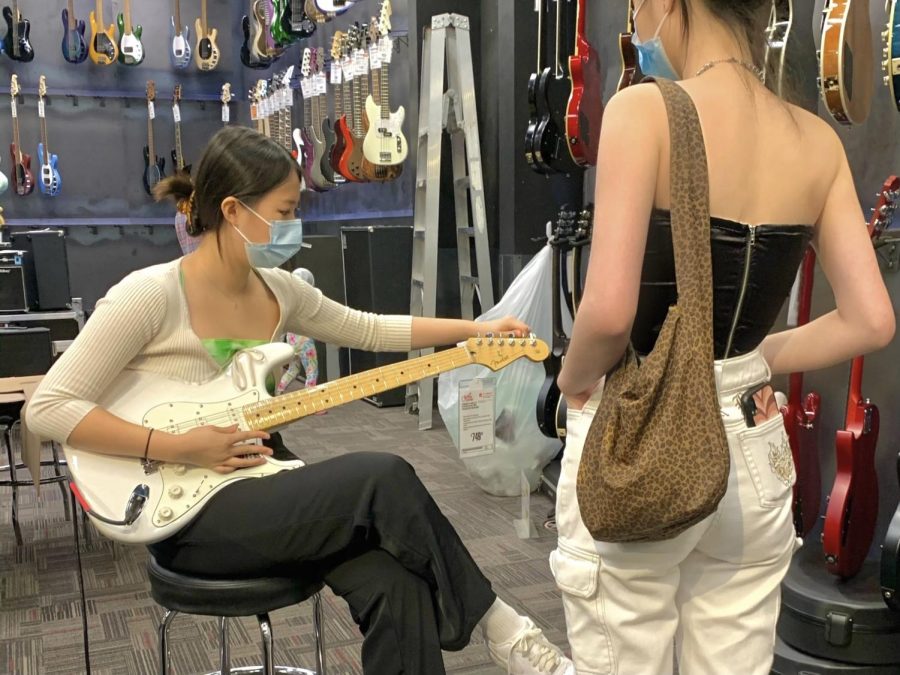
pixel 362 522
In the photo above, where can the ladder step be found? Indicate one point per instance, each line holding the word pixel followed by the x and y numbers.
pixel 418 234
pixel 419 283
pixel 463 182
pixel 468 280
pixel 467 231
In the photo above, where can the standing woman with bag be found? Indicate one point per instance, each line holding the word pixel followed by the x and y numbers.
pixel 674 503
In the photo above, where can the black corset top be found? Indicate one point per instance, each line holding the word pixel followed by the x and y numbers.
pixel 753 269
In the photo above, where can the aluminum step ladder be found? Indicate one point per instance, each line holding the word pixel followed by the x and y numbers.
pixel 452 110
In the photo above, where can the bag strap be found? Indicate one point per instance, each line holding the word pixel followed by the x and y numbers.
pixel 689 178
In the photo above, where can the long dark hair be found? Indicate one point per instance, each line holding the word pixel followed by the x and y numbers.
pixel 237 162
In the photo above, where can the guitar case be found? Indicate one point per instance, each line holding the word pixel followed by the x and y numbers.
pixel 832 619
pixel 788 661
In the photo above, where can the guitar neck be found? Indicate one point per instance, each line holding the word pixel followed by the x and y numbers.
pixel 179 154
pixel 385 90
pixel 15 25
pixel 288 408
pixel 203 24
pixel 71 14
pixel 150 145
pixel 307 113
pixel 127 16
pixel 559 71
pixel 99 11
pixel 15 126
pixel 177 15
pixel 854 394
pixel 376 86
pixel 580 27
pixel 44 135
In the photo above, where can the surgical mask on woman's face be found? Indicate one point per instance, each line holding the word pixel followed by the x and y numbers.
pixel 651 54
pixel 286 239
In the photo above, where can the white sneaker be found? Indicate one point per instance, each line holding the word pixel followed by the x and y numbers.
pixel 530 653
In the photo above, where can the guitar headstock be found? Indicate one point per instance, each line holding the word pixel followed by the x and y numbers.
pixel 288 76
pixel 14 88
pixel 305 62
pixel 151 90
pixel 364 36
pixel 176 95
pixel 384 18
pixel 374 32
pixel 883 212
pixel 226 93
pixel 346 42
pixel 336 43
pixel 320 59
pixel 314 60
pixel 42 86
pixel 495 352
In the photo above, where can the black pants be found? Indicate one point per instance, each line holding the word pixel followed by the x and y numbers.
pixel 364 524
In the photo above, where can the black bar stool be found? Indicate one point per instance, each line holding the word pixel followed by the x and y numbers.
pixel 226 598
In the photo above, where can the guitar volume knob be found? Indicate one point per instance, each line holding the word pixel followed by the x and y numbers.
pixel 176 491
pixel 165 513
pixel 179 469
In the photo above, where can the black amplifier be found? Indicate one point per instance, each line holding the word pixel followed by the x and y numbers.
pixel 17 289
pixel 46 267
pixel 24 351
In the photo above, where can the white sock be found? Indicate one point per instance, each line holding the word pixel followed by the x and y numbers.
pixel 501 622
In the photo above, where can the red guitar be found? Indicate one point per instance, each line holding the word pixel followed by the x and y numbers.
pixel 853 504
pixel 800 419
pixel 584 112
pixel 22 178
pixel 631 72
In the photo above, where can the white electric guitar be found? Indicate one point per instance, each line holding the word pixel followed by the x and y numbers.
pixel 384 144
pixel 180 52
pixel 138 505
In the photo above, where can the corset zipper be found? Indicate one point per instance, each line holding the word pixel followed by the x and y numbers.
pixel 748 254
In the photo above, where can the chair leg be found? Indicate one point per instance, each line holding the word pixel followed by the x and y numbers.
pixel 319 630
pixel 265 628
pixel 15 487
pixel 163 630
pixel 224 652
pixel 62 485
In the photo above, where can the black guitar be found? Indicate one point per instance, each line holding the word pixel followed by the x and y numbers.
pixel 247 57
pixel 890 559
pixel 154 166
pixel 533 155
pixel 295 22
pixel 551 406
pixel 16 44
pixel 553 90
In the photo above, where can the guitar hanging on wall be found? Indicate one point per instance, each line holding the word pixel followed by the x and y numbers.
pixel 131 51
pixel 178 163
pixel 253 48
pixel 343 134
pixel 584 110
pixel 206 53
pixel 181 40
pixel 16 44
pixel 226 99
pixel 853 504
pixel 890 558
pixel 891 63
pixel 74 46
pixel 631 71
pixel 51 182
pixel 801 413
pixel 154 166
pixel 777 34
pixel 23 179
pixel 845 63
pixel 291 22
pixel 103 49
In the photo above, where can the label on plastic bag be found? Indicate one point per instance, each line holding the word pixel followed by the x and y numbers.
pixel 476 417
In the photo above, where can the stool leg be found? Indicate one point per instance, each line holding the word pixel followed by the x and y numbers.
pixel 224 652
pixel 265 628
pixel 163 629
pixel 319 630
pixel 15 487
pixel 62 485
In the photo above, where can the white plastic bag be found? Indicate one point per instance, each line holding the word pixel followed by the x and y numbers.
pixel 519 443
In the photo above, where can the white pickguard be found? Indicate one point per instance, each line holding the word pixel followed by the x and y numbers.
pixel 131 48
pixel 181 46
pixel 332 7
pixel 177 491
pixel 384 143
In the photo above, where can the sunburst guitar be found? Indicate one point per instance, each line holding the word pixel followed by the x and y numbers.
pixel 139 505
pixel 845 60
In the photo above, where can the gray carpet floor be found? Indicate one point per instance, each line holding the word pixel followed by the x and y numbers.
pixel 40 614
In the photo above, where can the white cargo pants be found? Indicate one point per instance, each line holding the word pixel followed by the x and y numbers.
pixel 712 593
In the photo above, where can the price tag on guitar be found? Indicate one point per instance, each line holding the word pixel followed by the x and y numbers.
pixel 151 110
pixel 12 103
pixel 41 108
pixel 176 113
pixel 336 73
pixel 476 417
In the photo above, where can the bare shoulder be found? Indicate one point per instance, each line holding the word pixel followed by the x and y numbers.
pixel 818 135
pixel 639 107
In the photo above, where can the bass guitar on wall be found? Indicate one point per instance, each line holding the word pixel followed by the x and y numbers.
pixel 74 46
pixel 853 504
pixel 178 162
pixel 16 44
pixel 206 54
pixel 51 182
pixel 23 179
pixel 181 40
pixel 131 51
pixel 154 166
pixel 103 49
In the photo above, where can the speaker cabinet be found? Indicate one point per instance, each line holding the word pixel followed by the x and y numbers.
pixel 377 271
pixel 16 294
pixel 24 351
pixel 47 267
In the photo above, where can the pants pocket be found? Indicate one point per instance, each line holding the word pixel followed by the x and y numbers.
pixel 575 575
pixel 770 465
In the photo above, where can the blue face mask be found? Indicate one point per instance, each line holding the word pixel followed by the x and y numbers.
pixel 286 239
pixel 651 54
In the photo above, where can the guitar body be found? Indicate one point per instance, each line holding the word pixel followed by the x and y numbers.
pixel 384 143
pixel 131 51
pixel 181 46
pixel 890 561
pixel 631 72
pixel 258 29
pixel 187 167
pixel 308 155
pixel 23 179
pixel 892 62
pixel 342 133
pixel 18 50
pixel 584 109
pixel 103 49
pixel 206 54
pixel 278 34
pixel 333 6
pixel 4 183
pixel 853 503
pixel 532 154
pixel 296 23
pixel 803 436
pixel 51 182
pixel 247 57
pixel 153 171
pixel 106 481
pixel 329 140
pixel 550 145
pixel 355 158
pixel 845 73
pixel 317 152
pixel 74 46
